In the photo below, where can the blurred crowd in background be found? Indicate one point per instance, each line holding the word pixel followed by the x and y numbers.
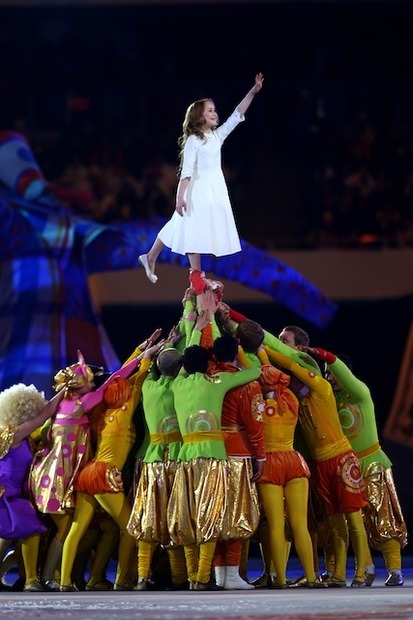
pixel 325 159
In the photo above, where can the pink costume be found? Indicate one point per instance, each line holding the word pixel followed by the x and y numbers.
pixel 56 467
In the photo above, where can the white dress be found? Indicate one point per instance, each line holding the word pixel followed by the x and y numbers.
pixel 207 225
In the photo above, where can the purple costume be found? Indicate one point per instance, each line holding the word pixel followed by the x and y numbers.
pixel 18 517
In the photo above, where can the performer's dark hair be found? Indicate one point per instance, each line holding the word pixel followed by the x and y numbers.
pixel 195 359
pixel 225 348
pixel 301 337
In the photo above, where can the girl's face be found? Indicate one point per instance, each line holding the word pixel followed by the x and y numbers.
pixel 210 116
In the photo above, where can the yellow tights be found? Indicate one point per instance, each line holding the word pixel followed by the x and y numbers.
pixel 54 550
pixel 358 537
pixel 107 542
pixel 117 507
pixel 30 554
pixel 391 550
pixel 293 497
pixel 341 527
pixel 176 557
pixel 146 550
pixel 339 541
pixel 177 563
pixel 199 560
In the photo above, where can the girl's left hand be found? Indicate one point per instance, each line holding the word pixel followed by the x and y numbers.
pixel 180 207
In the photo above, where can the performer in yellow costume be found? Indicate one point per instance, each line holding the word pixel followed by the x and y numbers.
pixel 283 484
pixel 334 467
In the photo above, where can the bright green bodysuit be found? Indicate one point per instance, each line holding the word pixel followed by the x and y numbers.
pixel 197 503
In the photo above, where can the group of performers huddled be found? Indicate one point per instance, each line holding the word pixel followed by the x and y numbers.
pixel 242 436
pixel 245 436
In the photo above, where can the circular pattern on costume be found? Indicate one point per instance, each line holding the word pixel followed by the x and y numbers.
pixel 168 424
pixel 270 410
pixel 202 420
pixel 351 420
pixel 348 471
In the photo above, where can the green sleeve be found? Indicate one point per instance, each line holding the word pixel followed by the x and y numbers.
pixel 234 379
pixel 350 383
pixel 187 326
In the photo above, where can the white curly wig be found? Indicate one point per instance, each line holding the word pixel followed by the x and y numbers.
pixel 19 403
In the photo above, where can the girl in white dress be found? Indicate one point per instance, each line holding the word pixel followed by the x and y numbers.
pixel 203 222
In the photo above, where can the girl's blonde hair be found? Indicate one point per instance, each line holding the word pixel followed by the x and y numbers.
pixel 20 403
pixel 193 122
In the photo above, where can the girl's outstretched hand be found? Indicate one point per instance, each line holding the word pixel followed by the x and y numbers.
pixel 259 80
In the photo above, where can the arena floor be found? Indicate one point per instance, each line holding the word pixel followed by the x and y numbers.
pixel 347 603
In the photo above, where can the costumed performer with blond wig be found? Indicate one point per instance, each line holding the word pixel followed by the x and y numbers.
pixel 22 410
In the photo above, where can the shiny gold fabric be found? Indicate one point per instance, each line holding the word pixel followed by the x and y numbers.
pixel 6 439
pixel 72 378
pixel 198 501
pixel 148 520
pixel 383 516
pixel 243 510
pixel 55 470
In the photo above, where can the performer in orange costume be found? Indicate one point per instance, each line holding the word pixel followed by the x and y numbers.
pixel 284 481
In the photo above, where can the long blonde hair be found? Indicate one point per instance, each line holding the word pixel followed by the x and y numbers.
pixel 193 122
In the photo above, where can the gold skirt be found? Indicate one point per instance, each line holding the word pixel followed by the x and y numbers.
pixel 198 502
pixel 148 520
pixel 383 516
pixel 242 515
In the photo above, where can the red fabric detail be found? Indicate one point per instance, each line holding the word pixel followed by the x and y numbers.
pixel 339 483
pixel 197 280
pixel 282 467
pixel 237 316
pixel 323 355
